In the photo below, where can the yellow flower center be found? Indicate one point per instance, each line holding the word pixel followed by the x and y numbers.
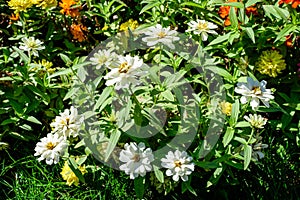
pixel 256 90
pixel 32 44
pixel 50 146
pixel 161 34
pixel 202 26
pixel 177 163
pixel 136 158
pixel 124 67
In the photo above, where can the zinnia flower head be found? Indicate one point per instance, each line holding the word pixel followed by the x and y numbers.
pixel 103 58
pixel 78 32
pixel 132 24
pixel 19 5
pixel 270 63
pixel 50 148
pixel 202 28
pixel 67 9
pixel 31 45
pixel 178 165
pixel 254 91
pixel 67 123
pixel 226 108
pixel 256 121
pixel 157 34
pixel 125 72
pixel 45 3
pixel 69 176
pixel 137 159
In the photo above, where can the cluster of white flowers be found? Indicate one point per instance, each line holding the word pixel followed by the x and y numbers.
pixel 254 91
pixel 125 71
pixel 137 162
pixel 54 145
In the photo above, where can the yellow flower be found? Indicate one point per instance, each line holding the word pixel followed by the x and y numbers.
pixel 45 3
pixel 270 63
pixel 69 176
pixel 226 107
pixel 132 24
pixel 19 5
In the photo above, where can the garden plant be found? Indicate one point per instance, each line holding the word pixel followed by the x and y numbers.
pixel 152 99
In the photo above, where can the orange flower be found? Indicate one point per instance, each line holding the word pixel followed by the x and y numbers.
pixel 77 31
pixel 295 3
pixel 66 8
pixel 224 13
pixel 14 18
pixel 227 22
pixel 284 1
pixel 288 41
pixel 251 10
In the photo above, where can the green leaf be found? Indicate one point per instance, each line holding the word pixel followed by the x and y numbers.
pixel 220 39
pixel 32 119
pixel 74 167
pixel 23 56
pixel 168 95
pixel 242 124
pixel 285 31
pixel 250 33
pixel 241 140
pixel 149 6
pixel 233 18
pixel 65 58
pixel 104 95
pixel 233 4
pixel 207 165
pixel 159 174
pixel 113 140
pixel 222 72
pixel 12 120
pixel 251 2
pixel 187 186
pixel 71 93
pixel 234 113
pixel 228 136
pixel 247 155
pixel 139 187
pixel 17 135
pixel 275 11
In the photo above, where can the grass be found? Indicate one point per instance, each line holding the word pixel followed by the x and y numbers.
pixel 276 177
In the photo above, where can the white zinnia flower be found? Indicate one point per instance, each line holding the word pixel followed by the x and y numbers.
pixel 31 44
pixel 125 72
pixel 256 121
pixel 137 159
pixel 68 123
pixel 178 164
pixel 158 34
pixel 255 91
pixel 51 148
pixel 202 28
pixel 103 57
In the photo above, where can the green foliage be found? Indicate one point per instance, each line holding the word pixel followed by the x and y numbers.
pixel 186 99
